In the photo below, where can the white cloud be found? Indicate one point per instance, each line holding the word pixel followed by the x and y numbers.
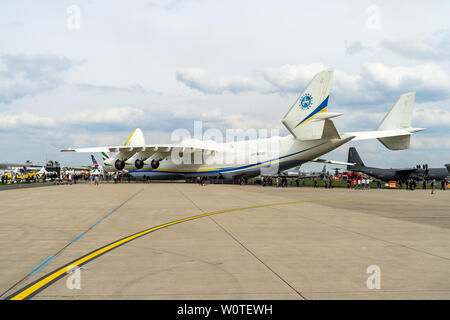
pixel 97 139
pixel 113 115
pixel 25 119
pixel 200 79
pixel 433 116
pixel 354 47
pixel 427 79
pixel 376 83
pixel 239 121
pixel 291 78
pixel 434 47
pixel 246 52
pixel 26 75
pixel 429 142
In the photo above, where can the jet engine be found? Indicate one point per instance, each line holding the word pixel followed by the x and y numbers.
pixel 119 164
pixel 155 164
pixel 139 164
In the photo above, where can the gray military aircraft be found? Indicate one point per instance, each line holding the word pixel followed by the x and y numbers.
pixel 417 173
pixel 297 173
pixel 312 175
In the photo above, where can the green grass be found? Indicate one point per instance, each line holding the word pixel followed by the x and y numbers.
pixel 343 184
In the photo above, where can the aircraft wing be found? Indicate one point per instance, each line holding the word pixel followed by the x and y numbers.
pixel 332 162
pixel 149 150
pixel 117 148
pixel 155 148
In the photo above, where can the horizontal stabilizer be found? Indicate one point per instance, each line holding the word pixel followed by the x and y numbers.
pixel 365 135
pixel 326 115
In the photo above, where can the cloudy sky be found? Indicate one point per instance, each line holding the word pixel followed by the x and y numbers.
pixel 162 64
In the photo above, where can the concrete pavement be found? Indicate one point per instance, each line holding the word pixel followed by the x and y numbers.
pixel 304 244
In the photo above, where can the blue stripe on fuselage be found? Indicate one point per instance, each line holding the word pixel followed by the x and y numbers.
pixel 220 170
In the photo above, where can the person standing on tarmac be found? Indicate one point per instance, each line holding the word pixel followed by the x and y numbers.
pixel 432 186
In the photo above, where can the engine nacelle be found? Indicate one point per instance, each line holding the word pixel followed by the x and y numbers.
pixel 139 164
pixel 119 164
pixel 155 164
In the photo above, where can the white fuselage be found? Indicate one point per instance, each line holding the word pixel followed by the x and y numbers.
pixel 243 158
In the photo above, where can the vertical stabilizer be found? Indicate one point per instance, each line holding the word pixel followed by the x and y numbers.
pixel 313 101
pixel 94 162
pixel 353 157
pixel 136 138
pixel 400 117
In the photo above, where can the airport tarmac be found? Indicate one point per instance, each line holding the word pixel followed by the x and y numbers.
pixel 4 187
pixel 223 242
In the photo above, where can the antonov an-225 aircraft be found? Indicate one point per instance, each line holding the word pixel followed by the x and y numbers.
pixel 312 135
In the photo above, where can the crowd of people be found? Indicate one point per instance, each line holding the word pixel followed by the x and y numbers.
pixel 202 181
pixel 71 178
pixel 278 181
pixel 363 184
pixel 357 184
pixel 360 183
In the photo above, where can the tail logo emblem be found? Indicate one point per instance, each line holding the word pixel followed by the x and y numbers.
pixel 306 101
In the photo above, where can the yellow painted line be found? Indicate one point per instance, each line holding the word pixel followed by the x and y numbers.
pixel 45 281
pixel 128 141
pixel 321 111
